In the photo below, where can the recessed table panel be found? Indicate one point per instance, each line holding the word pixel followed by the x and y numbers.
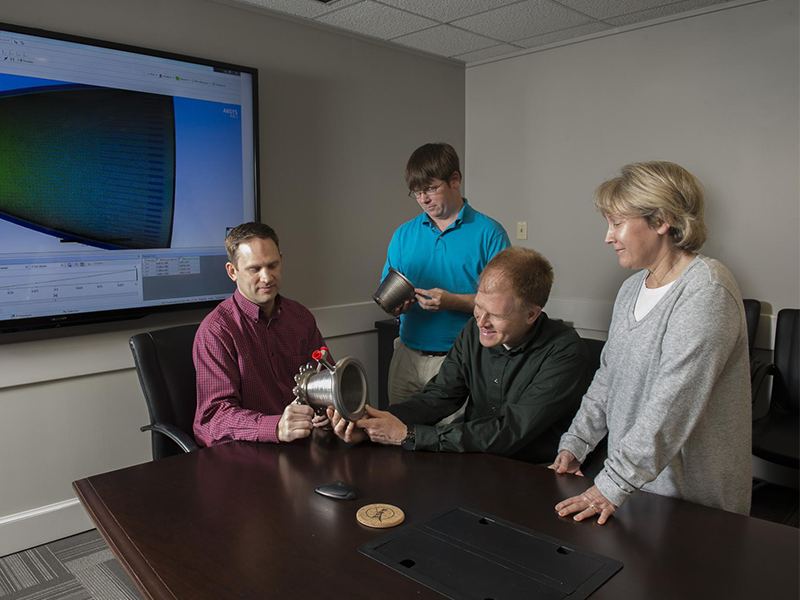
pixel 466 554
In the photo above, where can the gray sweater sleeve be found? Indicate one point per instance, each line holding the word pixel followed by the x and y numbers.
pixel 695 347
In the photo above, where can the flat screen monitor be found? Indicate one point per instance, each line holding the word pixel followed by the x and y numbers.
pixel 121 171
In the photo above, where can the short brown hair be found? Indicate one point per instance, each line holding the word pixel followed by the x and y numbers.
pixel 659 191
pixel 244 233
pixel 429 162
pixel 528 274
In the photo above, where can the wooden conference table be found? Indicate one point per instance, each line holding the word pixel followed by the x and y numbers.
pixel 242 520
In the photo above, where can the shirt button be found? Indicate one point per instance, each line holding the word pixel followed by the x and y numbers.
pixel 494 408
pixel 497 381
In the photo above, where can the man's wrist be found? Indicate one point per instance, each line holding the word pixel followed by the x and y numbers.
pixel 410 440
pixel 275 429
pixel 448 301
pixel 463 302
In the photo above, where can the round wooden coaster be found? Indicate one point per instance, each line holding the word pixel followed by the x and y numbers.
pixel 380 515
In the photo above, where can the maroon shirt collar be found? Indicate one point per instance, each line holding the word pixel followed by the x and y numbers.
pixel 252 310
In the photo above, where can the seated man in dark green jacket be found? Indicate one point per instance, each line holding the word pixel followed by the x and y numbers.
pixel 522 375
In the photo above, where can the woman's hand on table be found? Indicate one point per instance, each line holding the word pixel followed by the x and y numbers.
pixel 566 462
pixel 587 505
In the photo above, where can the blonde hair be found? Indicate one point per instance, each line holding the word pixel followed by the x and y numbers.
pixel 527 273
pixel 659 191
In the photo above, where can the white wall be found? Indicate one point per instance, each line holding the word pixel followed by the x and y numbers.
pixel 338 118
pixel 716 93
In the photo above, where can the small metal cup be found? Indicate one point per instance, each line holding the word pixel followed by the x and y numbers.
pixel 393 291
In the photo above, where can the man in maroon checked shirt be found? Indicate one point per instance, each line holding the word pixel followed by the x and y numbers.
pixel 248 350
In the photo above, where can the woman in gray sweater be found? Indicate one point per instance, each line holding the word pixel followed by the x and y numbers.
pixel 673 388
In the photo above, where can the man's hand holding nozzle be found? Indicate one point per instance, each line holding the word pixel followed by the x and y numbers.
pixel 378 425
pixel 346 430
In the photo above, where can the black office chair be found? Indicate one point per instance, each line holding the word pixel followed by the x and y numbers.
pixel 776 436
pixel 595 348
pixel 166 372
pixel 594 462
pixel 752 314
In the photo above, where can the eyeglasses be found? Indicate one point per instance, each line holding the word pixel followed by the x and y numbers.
pixel 428 191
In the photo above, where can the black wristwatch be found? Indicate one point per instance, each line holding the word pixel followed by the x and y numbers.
pixel 410 441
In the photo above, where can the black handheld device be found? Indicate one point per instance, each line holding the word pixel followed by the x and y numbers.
pixel 338 490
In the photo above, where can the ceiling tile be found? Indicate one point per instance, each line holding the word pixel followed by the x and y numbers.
pixel 600 9
pixel 499 50
pixel 447 10
pixel 301 8
pixel 663 11
pixel 475 29
pixel 376 20
pixel 522 20
pixel 564 34
pixel 445 41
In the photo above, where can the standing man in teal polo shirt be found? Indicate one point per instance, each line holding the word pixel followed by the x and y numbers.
pixel 442 252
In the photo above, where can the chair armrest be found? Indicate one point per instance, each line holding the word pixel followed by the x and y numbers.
pixel 760 374
pixel 186 443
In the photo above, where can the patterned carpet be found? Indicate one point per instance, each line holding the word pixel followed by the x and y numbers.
pixel 80 567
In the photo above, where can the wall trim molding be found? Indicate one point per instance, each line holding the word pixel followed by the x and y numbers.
pixel 594 318
pixel 66 357
pixel 348 319
pixel 37 512
pixel 48 360
pixel 42 525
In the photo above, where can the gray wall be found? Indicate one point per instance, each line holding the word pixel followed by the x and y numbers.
pixel 716 93
pixel 339 117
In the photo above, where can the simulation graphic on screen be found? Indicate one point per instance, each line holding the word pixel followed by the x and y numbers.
pixel 120 173
pixel 125 200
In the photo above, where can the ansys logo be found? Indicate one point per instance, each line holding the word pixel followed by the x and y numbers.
pixel 233 112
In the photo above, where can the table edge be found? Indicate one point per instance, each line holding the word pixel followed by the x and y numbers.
pixel 133 562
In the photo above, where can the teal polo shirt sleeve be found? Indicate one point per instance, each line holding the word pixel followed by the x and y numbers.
pixel 451 260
